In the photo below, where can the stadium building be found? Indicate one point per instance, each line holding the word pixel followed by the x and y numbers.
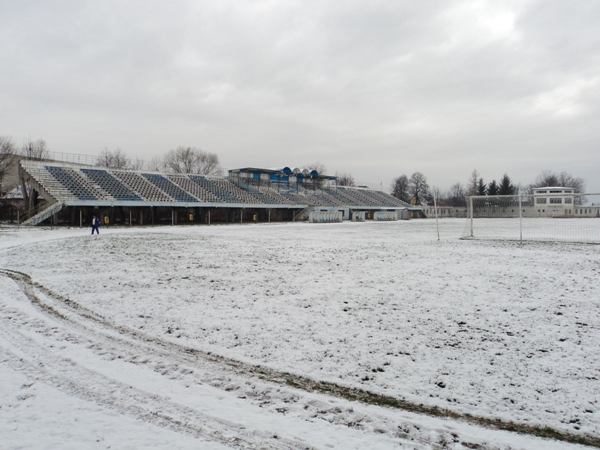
pixel 70 194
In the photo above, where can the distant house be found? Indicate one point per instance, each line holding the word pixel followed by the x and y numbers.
pixel 560 201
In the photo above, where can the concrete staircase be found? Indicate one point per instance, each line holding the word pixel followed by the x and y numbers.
pixel 44 214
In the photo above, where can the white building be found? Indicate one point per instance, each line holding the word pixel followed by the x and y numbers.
pixel 557 201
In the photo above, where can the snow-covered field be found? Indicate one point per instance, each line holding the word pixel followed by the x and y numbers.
pixel 490 329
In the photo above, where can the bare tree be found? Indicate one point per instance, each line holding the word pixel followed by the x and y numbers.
pixel 104 158
pixel 8 153
pixel 418 187
pixel 456 195
pixel 472 184
pixel 192 160
pixel 319 167
pixel 157 164
pixel 136 164
pixel 115 160
pixel 181 160
pixel 436 192
pixel 549 179
pixel 209 164
pixel 400 188
pixel 567 180
pixel 38 150
pixel 120 159
pixel 344 179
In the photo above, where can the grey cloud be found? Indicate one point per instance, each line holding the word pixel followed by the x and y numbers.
pixel 377 89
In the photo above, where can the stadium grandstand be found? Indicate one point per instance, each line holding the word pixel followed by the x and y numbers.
pixel 69 194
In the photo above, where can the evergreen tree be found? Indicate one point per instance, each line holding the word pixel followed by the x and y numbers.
pixel 492 188
pixel 481 190
pixel 506 187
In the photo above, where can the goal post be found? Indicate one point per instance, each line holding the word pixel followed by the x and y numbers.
pixel 544 215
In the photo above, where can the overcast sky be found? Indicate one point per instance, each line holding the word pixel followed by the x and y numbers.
pixel 377 88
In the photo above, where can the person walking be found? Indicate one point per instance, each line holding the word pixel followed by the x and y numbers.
pixel 95 224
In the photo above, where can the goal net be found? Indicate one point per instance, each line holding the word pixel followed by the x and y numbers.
pixel 550 214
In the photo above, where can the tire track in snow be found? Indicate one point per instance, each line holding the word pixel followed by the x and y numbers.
pixel 77 316
pixel 24 354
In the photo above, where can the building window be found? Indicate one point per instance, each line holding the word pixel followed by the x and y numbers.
pixel 539 201
pixel 556 200
pixel 568 200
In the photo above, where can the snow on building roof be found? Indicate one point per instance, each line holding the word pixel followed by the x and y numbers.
pixel 15 193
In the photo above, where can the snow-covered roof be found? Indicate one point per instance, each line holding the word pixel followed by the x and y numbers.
pixel 554 188
pixel 15 193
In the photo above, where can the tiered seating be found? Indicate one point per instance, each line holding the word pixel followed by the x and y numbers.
pixel 387 199
pixel 222 195
pixel 194 188
pixel 301 199
pixel 72 183
pixel 263 198
pixel 274 196
pixel 169 187
pixel 327 200
pixel 224 190
pixel 361 196
pixel 111 185
pixel 255 191
pixel 43 177
pixel 67 177
pixel 304 198
pixel 345 198
pixel 142 186
pixel 244 196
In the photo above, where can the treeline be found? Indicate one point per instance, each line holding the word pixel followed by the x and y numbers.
pixel 416 190
pixel 10 152
pixel 178 160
